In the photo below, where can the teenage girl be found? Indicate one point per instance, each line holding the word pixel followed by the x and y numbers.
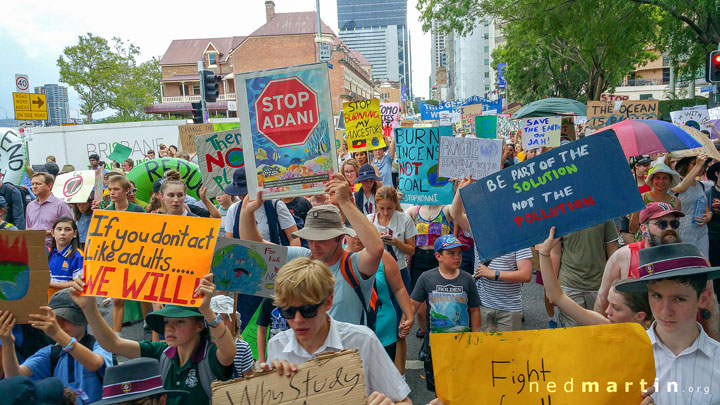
pixel 64 258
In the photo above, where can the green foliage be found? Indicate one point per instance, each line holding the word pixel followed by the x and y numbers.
pixel 431 102
pixel 667 106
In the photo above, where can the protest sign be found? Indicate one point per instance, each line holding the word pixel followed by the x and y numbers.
pixel 186 133
pixel 515 208
pixel 13 156
pixel 432 112
pixel 418 150
pixel 708 147
pixel 287 122
pixel 74 187
pixel 219 155
pixel 390 113
pixel 467 117
pixel 363 125
pixel 145 174
pixel 698 119
pixel 603 113
pixel 152 258
pixel 526 367
pixel 504 125
pixel 444 118
pixel 340 123
pixel 407 123
pixel 247 267
pixel 486 126
pixel 462 157
pixel 714 115
pixel 330 378
pixel 24 273
pixel 121 153
pixel 540 132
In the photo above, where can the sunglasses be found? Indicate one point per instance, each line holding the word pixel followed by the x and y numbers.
pixel 674 224
pixel 307 311
pixel 132 191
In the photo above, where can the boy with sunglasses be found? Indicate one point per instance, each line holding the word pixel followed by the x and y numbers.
pixel 304 290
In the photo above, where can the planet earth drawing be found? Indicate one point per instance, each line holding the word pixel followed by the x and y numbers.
pixel 238 268
pixel 14 280
pixel 434 179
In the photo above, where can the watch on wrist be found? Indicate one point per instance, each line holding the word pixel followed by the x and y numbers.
pixel 497 275
pixel 216 322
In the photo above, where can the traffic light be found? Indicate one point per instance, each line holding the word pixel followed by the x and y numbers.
pixel 210 82
pixel 712 68
pixel 197 113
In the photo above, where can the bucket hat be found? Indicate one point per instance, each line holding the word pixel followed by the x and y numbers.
pixel 239 184
pixel 712 172
pixel 133 379
pixel 663 168
pixel 155 320
pixel 367 172
pixel 323 222
pixel 21 391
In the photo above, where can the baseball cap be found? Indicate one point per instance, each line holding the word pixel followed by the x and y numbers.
pixel 449 242
pixel 323 222
pixel 3 201
pixel 64 307
pixel 658 209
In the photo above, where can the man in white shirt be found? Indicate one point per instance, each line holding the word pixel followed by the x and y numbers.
pixel 687 360
pixel 304 290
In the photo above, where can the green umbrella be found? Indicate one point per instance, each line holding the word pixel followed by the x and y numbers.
pixel 550 107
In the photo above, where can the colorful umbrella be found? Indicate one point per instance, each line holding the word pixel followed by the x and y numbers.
pixel 645 137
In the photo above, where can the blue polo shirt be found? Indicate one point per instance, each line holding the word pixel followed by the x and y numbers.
pixel 63 266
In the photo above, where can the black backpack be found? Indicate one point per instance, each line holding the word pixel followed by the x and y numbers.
pixel 24 193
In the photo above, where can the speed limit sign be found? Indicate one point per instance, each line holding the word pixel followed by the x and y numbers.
pixel 22 83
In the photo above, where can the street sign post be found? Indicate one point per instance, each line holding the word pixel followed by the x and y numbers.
pixel 325 51
pixel 22 83
pixel 30 106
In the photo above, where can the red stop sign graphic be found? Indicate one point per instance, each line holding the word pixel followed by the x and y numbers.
pixel 287 111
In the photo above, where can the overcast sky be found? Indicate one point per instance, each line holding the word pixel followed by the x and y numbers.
pixel 35 32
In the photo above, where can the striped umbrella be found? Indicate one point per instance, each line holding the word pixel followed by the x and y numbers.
pixel 645 137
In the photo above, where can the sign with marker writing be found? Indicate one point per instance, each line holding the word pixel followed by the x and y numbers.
pixel 462 157
pixel 603 113
pixel 541 132
pixel 188 131
pixel 714 115
pixel 74 187
pixel 526 367
pixel 390 113
pixel 247 267
pixel 24 273
pixel 152 258
pixel 698 119
pixel 418 150
pixel 329 378
pixel 363 125
pixel 219 155
pixel 486 126
pixel 575 186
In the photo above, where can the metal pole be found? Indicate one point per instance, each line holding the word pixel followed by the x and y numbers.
pixel 319 31
pixel 202 92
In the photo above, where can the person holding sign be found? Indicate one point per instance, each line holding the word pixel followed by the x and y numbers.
pixel 304 293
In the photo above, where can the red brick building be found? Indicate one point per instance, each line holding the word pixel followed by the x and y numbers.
pixel 286 39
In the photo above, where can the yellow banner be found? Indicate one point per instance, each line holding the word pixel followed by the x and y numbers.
pixel 148 257
pixel 363 125
pixel 605 364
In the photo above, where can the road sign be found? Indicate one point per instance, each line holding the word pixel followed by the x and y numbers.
pixel 287 111
pixel 22 83
pixel 30 106
pixel 706 89
pixel 325 52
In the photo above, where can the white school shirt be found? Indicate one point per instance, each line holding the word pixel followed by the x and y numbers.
pixel 695 370
pixel 381 375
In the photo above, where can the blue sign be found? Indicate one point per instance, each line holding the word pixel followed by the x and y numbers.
pixel 501 75
pixel 432 112
pixel 403 93
pixel 706 88
pixel 418 153
pixel 573 187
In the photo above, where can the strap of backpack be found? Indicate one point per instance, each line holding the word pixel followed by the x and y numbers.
pixel 236 224
pixel 349 275
pixel 205 374
pixel 272 221
pixel 56 351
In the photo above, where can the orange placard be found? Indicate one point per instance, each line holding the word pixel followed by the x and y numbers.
pixel 146 257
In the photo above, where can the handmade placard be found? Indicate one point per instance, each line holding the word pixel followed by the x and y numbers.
pixel 187 132
pixel 74 187
pixel 462 157
pixel 603 113
pixel 247 267
pixel 539 132
pixel 219 155
pixel 363 125
pixel 418 150
pixel 24 273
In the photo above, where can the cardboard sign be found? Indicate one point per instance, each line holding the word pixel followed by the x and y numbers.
pixel 363 125
pixel 148 257
pixel 390 113
pixel 714 115
pixel 287 124
pixel 330 378
pixel 462 157
pixel 13 156
pixel 247 267
pixel 467 117
pixel 418 150
pixel 603 113
pixel 547 366
pixel 575 186
pixel 219 155
pixel 444 118
pixel 121 153
pixel 486 126
pixel 698 119
pixel 74 187
pixel 407 123
pixel 186 133
pixel 24 273
pixel 541 132
pixel 708 147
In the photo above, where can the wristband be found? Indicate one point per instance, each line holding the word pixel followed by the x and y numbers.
pixel 541 254
pixel 220 337
pixel 70 345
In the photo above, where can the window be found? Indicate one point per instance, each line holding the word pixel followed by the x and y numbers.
pixel 184 89
pixel 486 35
pixel 487 87
pixel 487 49
pixel 196 89
pixel 487 74
pixel 487 61
pixel 212 58
pixel 646 97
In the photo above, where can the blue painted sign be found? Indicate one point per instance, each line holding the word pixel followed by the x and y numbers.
pixel 501 75
pixel 418 152
pixel 432 112
pixel 573 187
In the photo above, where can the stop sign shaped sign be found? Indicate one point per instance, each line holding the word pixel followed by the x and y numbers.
pixel 287 111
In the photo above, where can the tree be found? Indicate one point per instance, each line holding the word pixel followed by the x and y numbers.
pixel 88 67
pixel 571 48
pixel 133 86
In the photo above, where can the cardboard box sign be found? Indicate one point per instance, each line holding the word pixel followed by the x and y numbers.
pixel 24 273
pixel 186 133
pixel 331 378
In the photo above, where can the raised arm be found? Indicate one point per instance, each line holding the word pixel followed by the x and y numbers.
pixel 457 209
pixel 224 341
pixel 247 228
pixel 10 364
pixel 690 178
pixel 214 213
pixel 610 274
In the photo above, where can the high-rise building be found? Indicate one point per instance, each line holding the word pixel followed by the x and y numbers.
pixel 58 107
pixel 439 62
pixel 378 29
pixel 472 72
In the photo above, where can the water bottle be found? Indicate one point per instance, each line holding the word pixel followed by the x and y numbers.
pixel 700 206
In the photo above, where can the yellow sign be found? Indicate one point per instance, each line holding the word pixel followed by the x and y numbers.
pixel 363 125
pixel 30 106
pixel 544 366
pixel 146 257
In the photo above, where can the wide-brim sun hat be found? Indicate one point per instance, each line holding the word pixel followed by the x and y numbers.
pixel 663 168
pixel 323 222
pixel 132 380
pixel 712 172
pixel 239 184
pixel 366 172
pixel 156 319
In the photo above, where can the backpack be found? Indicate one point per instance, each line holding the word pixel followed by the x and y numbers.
pixel 24 193
pixel 369 310
pixel 277 234
pixel 87 341
pixel 205 375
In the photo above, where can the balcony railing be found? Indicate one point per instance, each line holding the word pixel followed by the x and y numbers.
pixel 195 98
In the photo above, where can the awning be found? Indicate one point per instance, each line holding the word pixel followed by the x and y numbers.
pixel 162 108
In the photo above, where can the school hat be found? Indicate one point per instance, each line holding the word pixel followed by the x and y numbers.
pixel 156 320
pixel 323 222
pixel 366 172
pixel 133 379
pixel 712 172
pixel 64 307
pixel 663 168
pixel 67 169
pixel 239 183
pixel 658 209
pixel 22 391
pixel 3 201
pixel 449 242
pixel 52 168
pixel 665 261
